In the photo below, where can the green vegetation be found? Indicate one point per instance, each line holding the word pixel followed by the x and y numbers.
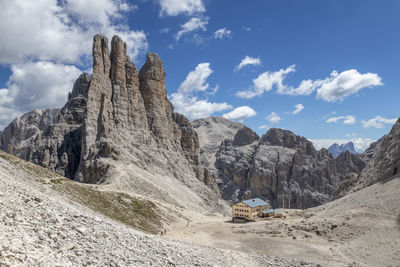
pixel 38 172
pixel 140 214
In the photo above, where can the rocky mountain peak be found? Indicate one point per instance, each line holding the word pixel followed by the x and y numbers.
pixel 153 68
pixel 101 57
pixel 245 136
pixel 278 163
pixel 285 138
pixel 117 118
pixel 119 60
pixel 336 149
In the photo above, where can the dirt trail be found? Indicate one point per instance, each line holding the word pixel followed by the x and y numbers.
pixel 361 229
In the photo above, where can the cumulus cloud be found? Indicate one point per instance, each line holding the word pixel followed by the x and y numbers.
pixel 187 102
pixel 44 41
pixel 176 7
pixel 266 82
pixel 196 80
pixel 360 144
pixel 273 117
pixel 7 115
pixel 331 89
pixel 193 24
pixel 349 119
pixel 97 11
pixel 35 85
pixel 298 108
pixel 248 61
pixel 240 113
pixel 62 31
pixel 263 127
pixel 378 122
pixel 222 33
pixel 247 29
pixel 339 86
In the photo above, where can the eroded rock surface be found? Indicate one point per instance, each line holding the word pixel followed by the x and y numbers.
pixel 116 116
pixel 279 163
pixel 383 159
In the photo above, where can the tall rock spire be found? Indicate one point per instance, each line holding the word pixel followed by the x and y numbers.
pixel 158 108
pixel 118 60
pixel 101 57
pixel 119 116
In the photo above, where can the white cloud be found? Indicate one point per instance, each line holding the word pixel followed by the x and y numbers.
pixel 176 7
pixel 97 11
pixel 240 113
pixel 266 82
pixel 273 117
pixel 248 61
pixel 263 127
pixel 339 86
pixel 196 80
pixel 61 31
pixel 360 144
pixel 7 115
pixel 378 122
pixel 349 119
pixel 247 29
pixel 223 33
pixel 192 25
pixel 334 88
pixel 164 30
pixel 298 108
pixel 306 87
pixel 35 85
pixel 186 102
pixel 42 40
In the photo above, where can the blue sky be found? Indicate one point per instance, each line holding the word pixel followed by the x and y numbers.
pixel 336 62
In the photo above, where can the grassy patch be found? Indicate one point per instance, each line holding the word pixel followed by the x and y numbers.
pixel 38 172
pixel 140 214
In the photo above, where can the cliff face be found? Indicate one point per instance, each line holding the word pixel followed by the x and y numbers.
pixel 279 163
pixel 115 116
pixel 383 159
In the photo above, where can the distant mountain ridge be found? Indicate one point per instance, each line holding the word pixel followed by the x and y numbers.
pixel 337 149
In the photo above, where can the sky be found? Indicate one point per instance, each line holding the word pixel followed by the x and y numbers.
pixel 327 70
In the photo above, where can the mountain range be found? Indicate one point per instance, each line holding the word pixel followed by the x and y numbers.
pixel 118 128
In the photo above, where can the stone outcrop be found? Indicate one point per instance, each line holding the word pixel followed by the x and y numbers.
pixel 212 131
pixel 383 159
pixel 279 163
pixel 115 118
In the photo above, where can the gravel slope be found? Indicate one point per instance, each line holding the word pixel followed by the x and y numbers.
pixel 38 226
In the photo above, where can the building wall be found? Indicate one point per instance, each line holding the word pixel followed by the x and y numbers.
pixel 241 210
pixel 244 211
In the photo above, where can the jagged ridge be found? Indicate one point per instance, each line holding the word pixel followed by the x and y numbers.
pixel 278 163
pixel 115 116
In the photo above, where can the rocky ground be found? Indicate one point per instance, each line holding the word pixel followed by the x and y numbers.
pixel 40 226
pixel 361 229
